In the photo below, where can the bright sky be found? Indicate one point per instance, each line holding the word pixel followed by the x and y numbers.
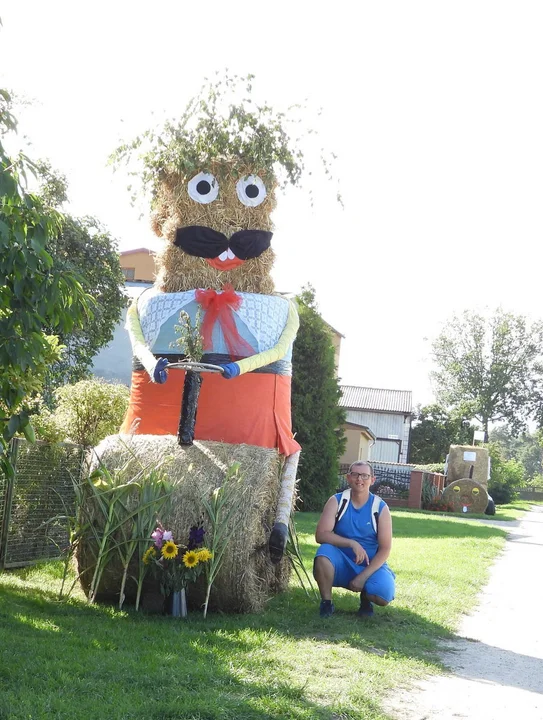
pixel 434 108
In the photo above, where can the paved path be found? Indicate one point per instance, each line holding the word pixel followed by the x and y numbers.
pixel 497 662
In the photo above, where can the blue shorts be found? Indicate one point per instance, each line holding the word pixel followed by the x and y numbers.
pixel 381 583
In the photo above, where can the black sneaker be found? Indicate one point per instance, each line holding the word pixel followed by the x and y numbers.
pixel 366 607
pixel 326 608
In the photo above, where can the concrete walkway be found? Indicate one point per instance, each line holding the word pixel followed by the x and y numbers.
pixel 497 661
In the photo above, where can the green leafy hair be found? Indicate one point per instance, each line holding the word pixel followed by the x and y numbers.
pixel 215 129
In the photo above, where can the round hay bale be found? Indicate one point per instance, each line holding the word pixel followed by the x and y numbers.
pixel 247 578
pixel 466 495
pixel 460 462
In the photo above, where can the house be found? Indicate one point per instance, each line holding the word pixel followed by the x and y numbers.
pixel 114 361
pixel 138 265
pixel 378 424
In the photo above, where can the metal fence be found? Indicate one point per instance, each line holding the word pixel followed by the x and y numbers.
pixel 530 493
pixel 391 480
pixel 41 489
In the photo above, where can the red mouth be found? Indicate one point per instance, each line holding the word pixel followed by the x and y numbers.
pixel 228 264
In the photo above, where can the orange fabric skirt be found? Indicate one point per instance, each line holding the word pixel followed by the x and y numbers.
pixel 253 409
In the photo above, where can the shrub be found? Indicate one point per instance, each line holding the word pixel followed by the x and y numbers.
pixel 432 467
pixel 440 505
pixel 429 493
pixel 90 410
pixel 46 425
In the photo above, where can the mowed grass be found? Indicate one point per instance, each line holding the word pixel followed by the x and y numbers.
pixel 71 660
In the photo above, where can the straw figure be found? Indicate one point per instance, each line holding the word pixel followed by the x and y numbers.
pixel 466 495
pixel 213 178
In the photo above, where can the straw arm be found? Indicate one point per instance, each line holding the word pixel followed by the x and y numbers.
pixel 279 350
pixel 137 340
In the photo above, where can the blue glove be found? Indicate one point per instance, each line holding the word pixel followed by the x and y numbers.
pixel 159 373
pixel 231 370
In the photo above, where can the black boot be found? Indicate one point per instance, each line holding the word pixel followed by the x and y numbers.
pixel 278 542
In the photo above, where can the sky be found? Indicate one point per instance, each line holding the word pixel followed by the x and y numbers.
pixel 434 110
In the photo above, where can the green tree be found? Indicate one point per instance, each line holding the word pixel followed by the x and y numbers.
pixel 490 368
pixel 435 429
pixel 34 294
pixel 505 476
pixel 316 415
pixel 83 246
pixel 526 448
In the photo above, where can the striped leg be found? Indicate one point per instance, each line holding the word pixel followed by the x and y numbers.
pixel 279 533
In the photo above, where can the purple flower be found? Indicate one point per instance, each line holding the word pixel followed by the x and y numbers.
pixel 157 536
pixel 196 536
pixel 167 535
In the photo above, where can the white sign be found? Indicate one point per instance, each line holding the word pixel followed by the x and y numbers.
pixel 470 456
pixel 479 435
pixel 393 437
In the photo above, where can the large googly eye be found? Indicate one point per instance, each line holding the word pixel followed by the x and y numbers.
pixel 251 190
pixel 475 491
pixel 456 489
pixel 203 188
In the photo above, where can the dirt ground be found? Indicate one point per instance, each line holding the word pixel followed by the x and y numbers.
pixel 496 662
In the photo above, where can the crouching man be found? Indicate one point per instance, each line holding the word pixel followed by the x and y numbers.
pixel 355 537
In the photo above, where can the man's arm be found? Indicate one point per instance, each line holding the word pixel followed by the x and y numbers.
pixel 384 541
pixel 325 532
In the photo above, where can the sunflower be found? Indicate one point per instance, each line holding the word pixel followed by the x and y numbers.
pixel 169 550
pixel 190 559
pixel 148 554
pixel 204 555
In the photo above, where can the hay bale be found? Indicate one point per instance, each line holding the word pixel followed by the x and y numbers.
pixel 247 578
pixel 466 496
pixel 459 466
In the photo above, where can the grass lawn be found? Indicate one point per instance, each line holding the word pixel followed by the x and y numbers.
pixel 70 660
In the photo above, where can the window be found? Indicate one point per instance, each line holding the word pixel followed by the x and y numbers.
pixel 129 273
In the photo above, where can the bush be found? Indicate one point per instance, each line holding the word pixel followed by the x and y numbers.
pixel 46 426
pixel 86 412
pixel 440 505
pixel 432 467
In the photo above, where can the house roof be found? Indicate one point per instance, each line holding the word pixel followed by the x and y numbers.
pixel 381 400
pixel 137 250
pixel 362 428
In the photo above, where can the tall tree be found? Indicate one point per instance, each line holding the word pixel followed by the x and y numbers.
pixel 83 246
pixel 490 368
pixel 526 448
pixel 34 294
pixel 316 416
pixel 434 431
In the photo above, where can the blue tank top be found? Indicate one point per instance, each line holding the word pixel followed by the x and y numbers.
pixel 356 525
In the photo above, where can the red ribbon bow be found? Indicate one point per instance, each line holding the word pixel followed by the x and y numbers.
pixel 219 306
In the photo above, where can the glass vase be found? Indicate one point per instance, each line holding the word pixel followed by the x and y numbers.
pixel 178 603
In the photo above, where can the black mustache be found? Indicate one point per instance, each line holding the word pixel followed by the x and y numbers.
pixel 205 242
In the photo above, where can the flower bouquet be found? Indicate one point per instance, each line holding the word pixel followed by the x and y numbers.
pixel 177 565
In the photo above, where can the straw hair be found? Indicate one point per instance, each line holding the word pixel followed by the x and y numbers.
pixel 174 208
pixel 247 578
